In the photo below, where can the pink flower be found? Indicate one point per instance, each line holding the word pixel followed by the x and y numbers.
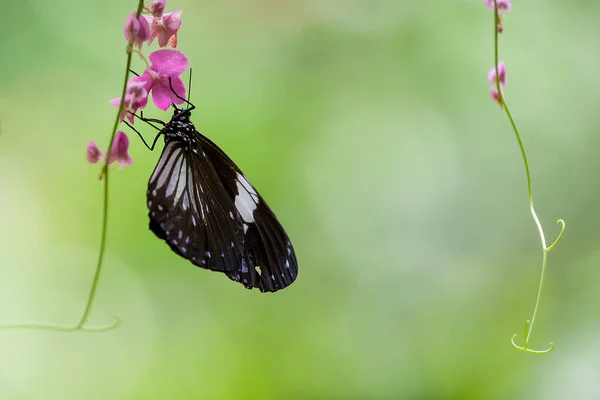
pixel 166 64
pixel 495 96
pixel 501 73
pixel 503 5
pixel 136 98
pixel 136 29
pixel 165 28
pixel 93 153
pixel 119 152
pixel 157 8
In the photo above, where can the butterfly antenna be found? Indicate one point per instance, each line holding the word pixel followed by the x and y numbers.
pixel 191 106
pixel 189 86
pixel 133 72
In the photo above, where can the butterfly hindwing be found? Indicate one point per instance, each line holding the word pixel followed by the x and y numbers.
pixel 204 207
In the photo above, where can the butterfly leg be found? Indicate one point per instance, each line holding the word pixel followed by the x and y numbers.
pixel 151 148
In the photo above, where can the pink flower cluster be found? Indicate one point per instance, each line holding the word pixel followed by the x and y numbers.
pixel 501 79
pixel 119 152
pixel 161 76
pixel 503 6
pixel 156 25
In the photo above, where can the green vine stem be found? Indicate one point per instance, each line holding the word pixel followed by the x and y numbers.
pixel 80 326
pixel 545 248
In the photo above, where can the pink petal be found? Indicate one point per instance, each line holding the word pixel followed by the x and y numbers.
pixel 120 143
pixel 130 117
pixel 120 148
pixel 179 88
pixel 161 96
pixel 117 102
pixel 146 79
pixel 132 25
pixel 157 8
pixel 169 62
pixel 495 96
pixel 93 153
pixel 163 37
pixel 502 74
pixel 136 29
pixel 172 41
pixel 144 32
pixel 504 5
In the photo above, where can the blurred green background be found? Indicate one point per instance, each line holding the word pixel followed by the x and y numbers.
pixel 368 128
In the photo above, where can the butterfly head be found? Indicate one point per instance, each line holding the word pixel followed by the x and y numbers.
pixel 181 114
pixel 180 127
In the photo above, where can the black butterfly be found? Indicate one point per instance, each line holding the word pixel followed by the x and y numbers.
pixel 207 211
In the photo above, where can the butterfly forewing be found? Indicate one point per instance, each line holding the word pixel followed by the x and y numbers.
pixel 204 207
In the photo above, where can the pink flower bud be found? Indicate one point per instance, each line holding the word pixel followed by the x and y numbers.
pixel 93 153
pixel 501 73
pixel 136 29
pixel 157 8
pixel 495 96
pixel 165 28
pixel 503 5
pixel 120 150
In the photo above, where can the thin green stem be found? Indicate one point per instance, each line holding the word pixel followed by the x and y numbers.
pixel 545 249
pixel 105 170
pixel 104 173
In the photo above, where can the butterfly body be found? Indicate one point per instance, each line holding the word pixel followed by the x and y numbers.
pixel 207 211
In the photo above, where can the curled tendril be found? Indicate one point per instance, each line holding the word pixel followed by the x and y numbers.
pixel 560 235
pixel 525 346
pixel 545 249
pixel 79 327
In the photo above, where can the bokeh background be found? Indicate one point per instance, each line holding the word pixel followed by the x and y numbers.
pixel 368 128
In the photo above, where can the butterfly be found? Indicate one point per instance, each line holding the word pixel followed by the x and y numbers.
pixel 203 206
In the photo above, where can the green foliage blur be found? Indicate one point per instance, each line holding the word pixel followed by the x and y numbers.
pixel 368 127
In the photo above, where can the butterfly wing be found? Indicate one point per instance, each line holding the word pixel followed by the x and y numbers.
pixel 207 211
pixel 267 248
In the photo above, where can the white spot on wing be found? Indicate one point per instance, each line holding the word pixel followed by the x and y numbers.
pixel 186 201
pixel 182 182
pixel 196 203
pixel 164 172
pixel 174 181
pixel 161 162
pixel 246 200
